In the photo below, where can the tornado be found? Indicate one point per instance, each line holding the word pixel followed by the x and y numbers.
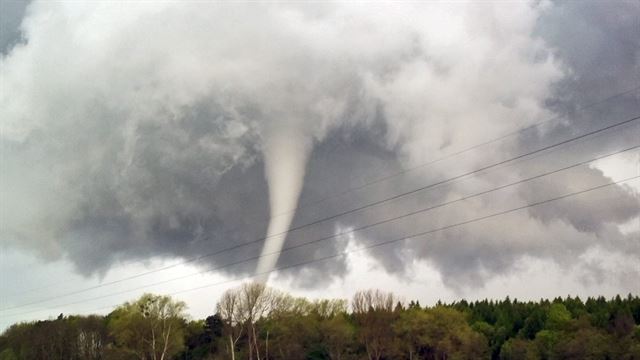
pixel 286 151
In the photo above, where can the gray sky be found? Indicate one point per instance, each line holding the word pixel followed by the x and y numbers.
pixel 139 136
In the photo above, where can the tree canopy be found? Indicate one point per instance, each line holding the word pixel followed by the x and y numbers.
pixel 257 322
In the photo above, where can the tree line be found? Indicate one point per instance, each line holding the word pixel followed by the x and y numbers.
pixel 257 322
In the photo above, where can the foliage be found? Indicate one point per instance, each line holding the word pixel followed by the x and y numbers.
pixel 256 322
pixel 150 328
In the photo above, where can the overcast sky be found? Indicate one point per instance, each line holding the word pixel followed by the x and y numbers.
pixel 140 136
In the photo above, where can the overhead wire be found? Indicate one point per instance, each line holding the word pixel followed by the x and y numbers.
pixel 346 232
pixel 369 205
pixel 387 242
pixel 381 179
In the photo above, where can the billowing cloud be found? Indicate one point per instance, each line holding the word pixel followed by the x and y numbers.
pixel 151 130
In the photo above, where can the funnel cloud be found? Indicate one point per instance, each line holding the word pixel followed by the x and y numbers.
pixel 285 157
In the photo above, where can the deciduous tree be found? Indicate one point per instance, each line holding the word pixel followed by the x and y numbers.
pixel 150 327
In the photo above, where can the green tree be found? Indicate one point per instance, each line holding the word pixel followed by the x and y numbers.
pixel 337 335
pixel 202 338
pixel 439 333
pixel 518 349
pixel 545 342
pixel 8 354
pixel 559 317
pixel 583 342
pixel 533 323
pixel 151 328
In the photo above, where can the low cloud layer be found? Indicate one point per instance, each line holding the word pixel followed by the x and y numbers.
pixel 136 132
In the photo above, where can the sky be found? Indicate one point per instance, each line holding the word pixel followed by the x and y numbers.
pixel 157 146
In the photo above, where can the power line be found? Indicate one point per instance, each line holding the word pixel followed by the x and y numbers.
pixel 420 233
pixel 343 253
pixel 351 189
pixel 345 232
pixel 450 155
pixel 434 161
pixel 375 203
pixel 415 212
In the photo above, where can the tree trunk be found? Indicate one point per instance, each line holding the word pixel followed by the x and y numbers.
pixel 231 348
pixel 153 342
pixel 255 341
pixel 250 335
pixel 166 343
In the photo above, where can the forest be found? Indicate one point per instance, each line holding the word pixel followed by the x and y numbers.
pixel 257 322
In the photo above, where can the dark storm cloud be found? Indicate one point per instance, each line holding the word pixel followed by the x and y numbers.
pixel 586 214
pixel 150 141
pixel 469 255
pixel 13 11
pixel 599 41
